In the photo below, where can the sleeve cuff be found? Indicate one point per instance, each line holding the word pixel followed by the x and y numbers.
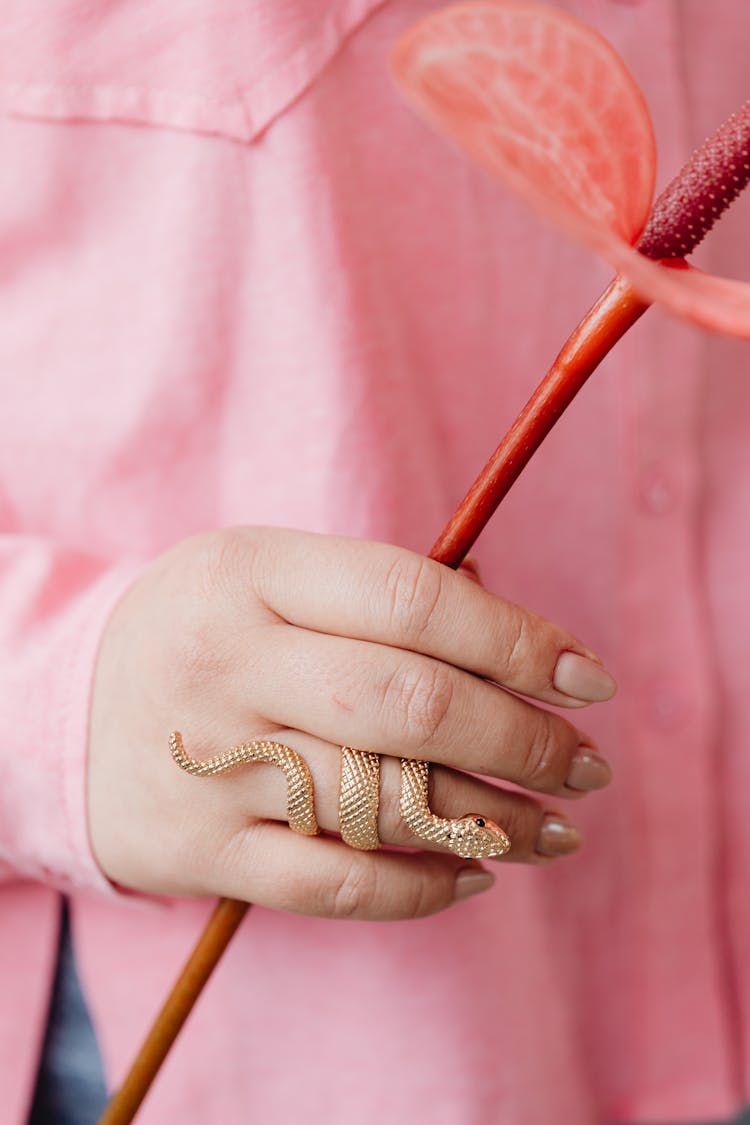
pixel 57 609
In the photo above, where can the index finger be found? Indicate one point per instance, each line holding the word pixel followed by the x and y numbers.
pixel 376 592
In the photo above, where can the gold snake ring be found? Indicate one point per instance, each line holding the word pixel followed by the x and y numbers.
pixel 470 836
pixel 359 797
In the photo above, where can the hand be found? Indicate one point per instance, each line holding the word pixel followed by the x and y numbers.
pixel 319 642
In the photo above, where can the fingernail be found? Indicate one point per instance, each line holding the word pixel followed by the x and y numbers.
pixel 469 882
pixel 557 837
pixel 588 770
pixel 583 679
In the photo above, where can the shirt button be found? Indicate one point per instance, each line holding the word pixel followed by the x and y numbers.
pixel 667 708
pixel 657 491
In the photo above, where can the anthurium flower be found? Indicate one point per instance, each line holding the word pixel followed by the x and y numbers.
pixel 546 104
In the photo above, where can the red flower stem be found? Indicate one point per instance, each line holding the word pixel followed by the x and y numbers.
pixel 613 314
pixel 716 173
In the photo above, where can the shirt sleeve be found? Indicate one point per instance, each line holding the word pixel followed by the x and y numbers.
pixel 54 605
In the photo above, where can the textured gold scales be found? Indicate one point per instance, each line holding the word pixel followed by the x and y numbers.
pixel 469 836
pixel 300 806
pixel 359 798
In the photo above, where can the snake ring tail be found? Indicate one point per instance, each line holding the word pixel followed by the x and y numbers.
pixel 300 805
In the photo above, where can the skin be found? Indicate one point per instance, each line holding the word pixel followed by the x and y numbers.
pixel 317 641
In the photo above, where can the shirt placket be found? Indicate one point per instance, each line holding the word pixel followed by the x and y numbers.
pixel 685 1042
pixel 685 1024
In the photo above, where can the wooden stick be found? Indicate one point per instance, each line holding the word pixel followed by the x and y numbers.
pixel 219 931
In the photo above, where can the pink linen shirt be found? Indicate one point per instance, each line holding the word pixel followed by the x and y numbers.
pixel 242 283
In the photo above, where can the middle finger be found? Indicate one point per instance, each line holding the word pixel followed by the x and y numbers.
pixel 404 704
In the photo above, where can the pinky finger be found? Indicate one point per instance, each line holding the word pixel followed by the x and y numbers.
pixel 272 866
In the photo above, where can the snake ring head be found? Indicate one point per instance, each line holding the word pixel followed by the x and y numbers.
pixel 475 837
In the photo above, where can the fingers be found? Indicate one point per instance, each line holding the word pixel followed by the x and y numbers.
pixel 395 597
pixel 408 705
pixel 271 866
pixel 535 832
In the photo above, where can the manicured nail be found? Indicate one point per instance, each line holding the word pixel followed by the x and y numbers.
pixel 557 836
pixel 588 770
pixel 469 882
pixel 583 679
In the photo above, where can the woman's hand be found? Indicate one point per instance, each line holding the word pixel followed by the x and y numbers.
pixel 319 642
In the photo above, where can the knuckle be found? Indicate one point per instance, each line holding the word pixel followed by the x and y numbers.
pixel 522 821
pixel 419 698
pixel 418 899
pixel 203 648
pixel 225 565
pixel 211 854
pixel 229 854
pixel 413 588
pixel 515 651
pixel 542 768
pixel 353 894
pixel 203 651
pixel 199 657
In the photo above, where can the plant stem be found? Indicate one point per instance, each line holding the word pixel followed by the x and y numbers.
pixel 613 314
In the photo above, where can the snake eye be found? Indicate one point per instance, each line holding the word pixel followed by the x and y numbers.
pixel 479 821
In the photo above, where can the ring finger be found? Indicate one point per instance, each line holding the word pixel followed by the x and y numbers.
pixel 260 791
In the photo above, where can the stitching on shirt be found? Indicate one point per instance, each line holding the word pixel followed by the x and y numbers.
pixel 286 80
pixel 99 87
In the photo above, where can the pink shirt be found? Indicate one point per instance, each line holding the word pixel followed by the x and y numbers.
pixel 222 234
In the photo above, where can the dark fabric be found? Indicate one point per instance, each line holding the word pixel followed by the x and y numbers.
pixel 70 1086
